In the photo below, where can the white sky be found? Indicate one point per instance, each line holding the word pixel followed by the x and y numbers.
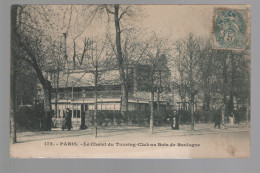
pixel 179 20
pixel 165 20
pixel 171 21
pixel 174 20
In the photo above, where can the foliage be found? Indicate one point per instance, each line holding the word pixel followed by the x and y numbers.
pixel 28 118
pixel 211 77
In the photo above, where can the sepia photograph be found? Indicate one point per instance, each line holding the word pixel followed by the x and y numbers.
pixel 130 81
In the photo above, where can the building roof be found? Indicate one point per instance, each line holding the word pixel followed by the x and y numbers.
pixel 86 79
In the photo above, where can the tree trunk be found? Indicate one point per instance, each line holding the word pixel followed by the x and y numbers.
pixel 95 111
pixel 225 80
pixel 223 117
pixel 13 76
pixel 152 112
pixel 47 106
pixel 56 102
pixel 159 91
pixel 56 94
pixel 191 93
pixel 206 101
pixel 124 92
pixel 46 86
pixel 192 113
pixel 152 105
pixel 232 85
pixel 74 54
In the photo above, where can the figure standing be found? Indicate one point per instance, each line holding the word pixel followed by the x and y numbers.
pixel 237 117
pixel 231 119
pixel 66 121
pixel 218 118
pixel 175 121
pixel 63 126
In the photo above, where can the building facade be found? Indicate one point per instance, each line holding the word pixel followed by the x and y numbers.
pixel 75 89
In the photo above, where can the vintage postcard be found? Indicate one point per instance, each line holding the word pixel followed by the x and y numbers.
pixel 130 81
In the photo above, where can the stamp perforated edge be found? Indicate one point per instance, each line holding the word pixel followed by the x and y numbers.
pixel 247 11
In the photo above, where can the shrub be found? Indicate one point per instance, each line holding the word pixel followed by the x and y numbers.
pixel 28 117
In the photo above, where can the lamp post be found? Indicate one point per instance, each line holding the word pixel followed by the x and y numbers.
pixel 83 126
pixel 101 108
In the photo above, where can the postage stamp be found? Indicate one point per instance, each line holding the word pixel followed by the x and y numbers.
pixel 229 28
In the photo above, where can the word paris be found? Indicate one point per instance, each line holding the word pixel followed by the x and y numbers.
pixel 118 144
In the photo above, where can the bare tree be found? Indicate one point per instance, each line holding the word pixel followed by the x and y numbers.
pixel 232 68
pixel 98 63
pixel 219 76
pixel 207 77
pixel 36 42
pixel 55 67
pixel 155 59
pixel 189 53
pixel 118 14
pixel 133 50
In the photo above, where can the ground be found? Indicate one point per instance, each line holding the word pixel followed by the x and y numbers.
pixel 231 141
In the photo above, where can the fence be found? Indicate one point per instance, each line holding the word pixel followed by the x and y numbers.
pixel 28 118
pixel 88 94
pixel 115 118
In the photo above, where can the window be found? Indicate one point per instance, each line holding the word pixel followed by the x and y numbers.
pixel 61 95
pixel 78 113
pixel 74 113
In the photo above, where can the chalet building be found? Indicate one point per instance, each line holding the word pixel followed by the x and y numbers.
pixel 75 89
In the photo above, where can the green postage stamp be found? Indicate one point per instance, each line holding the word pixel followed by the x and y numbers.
pixel 230 28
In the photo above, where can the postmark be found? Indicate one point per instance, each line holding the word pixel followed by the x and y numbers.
pixel 229 28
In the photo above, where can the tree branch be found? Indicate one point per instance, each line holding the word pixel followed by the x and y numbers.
pixel 109 11
pixel 121 15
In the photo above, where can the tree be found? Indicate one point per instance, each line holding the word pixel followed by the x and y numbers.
pixel 97 63
pixel 188 64
pixel 14 10
pixel 35 35
pixel 223 66
pixel 233 69
pixel 155 62
pixel 26 84
pixel 55 67
pixel 118 13
pixel 217 78
pixel 207 76
pixel 133 50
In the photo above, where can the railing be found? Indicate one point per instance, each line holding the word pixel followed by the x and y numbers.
pixel 88 94
pixel 105 94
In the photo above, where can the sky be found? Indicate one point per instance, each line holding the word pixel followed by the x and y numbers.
pixel 170 21
pixel 173 21
pixel 179 20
